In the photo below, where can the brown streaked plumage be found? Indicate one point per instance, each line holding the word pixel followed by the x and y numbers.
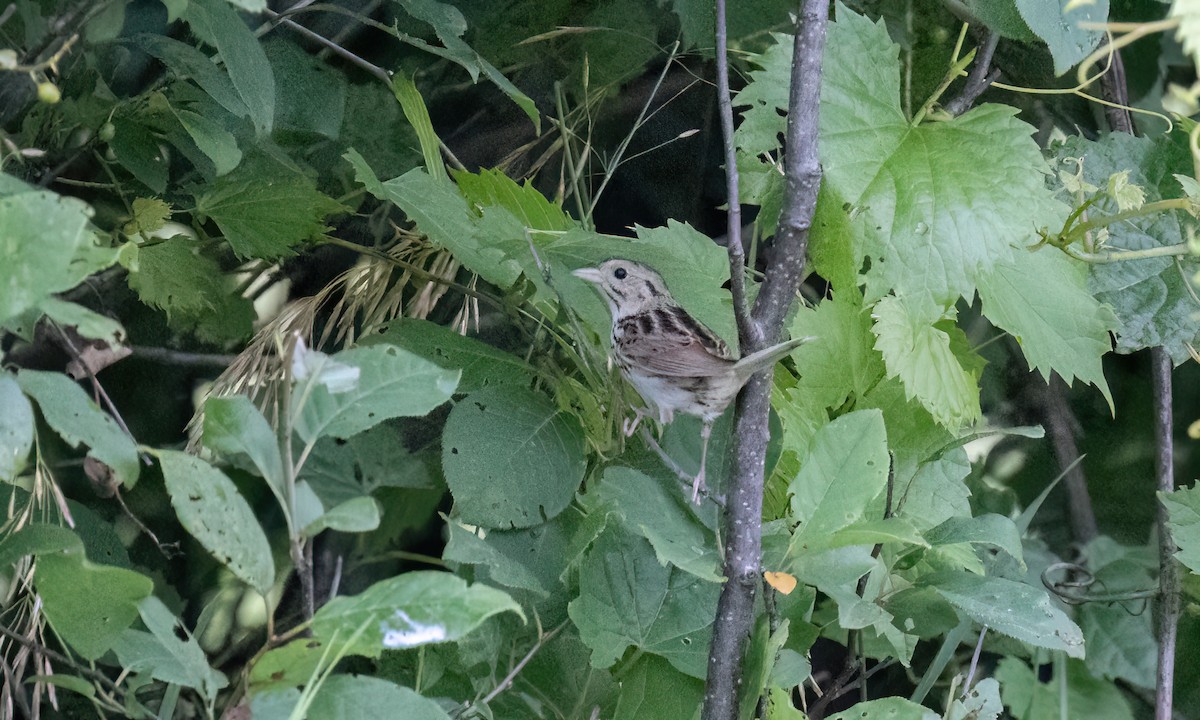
pixel 674 362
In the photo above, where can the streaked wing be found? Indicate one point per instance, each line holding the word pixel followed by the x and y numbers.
pixel 666 340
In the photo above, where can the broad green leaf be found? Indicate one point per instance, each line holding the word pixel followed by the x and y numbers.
pixel 929 220
pixel 511 458
pixel 16 429
pixel 481 364
pixel 265 208
pixel 340 470
pixel 186 61
pixel 628 599
pixel 922 355
pixel 1040 299
pixel 234 426
pixel 440 212
pixel 1152 297
pixel 38 539
pixel 530 559
pixel 1121 642
pixel 137 150
pixel 888 708
pixel 845 361
pixel 361 696
pixel 494 188
pixel 213 140
pixel 73 415
pixel 651 688
pixel 449 25
pixel 88 323
pixel 407 611
pixel 1010 608
pixel 990 530
pixel 310 95
pixel 1183 511
pixel 88 605
pixel 215 22
pixel 845 471
pixel 1029 698
pixel 982 702
pixel 360 514
pixel 42 233
pixel 392 383
pixel 1061 29
pixel 275 704
pixel 661 514
pixel 168 652
pixel 1002 17
pixel 212 510
pixel 871 532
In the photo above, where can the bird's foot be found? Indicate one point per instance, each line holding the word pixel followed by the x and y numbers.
pixel 697 486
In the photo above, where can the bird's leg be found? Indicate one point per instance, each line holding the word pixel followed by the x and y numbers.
pixel 631 426
pixel 698 483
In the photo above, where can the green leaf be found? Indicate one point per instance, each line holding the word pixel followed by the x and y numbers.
pixel 361 696
pixel 929 220
pixel 449 25
pixel 73 415
pixel 16 430
pixel 1010 608
pixel 628 599
pixel 845 471
pixel 922 356
pixel 661 513
pixel 1152 297
pixel 529 559
pixel 651 688
pixel 492 188
pixel 890 708
pixel 989 530
pixel 511 458
pixel 392 383
pixel 845 361
pixel 1002 17
pixel 1028 698
pixel 481 364
pixel 219 25
pixel 981 703
pixel 38 539
pixel 310 95
pixel 1183 512
pixel 88 605
pixel 136 148
pixel 264 208
pixel 73 683
pixel 42 235
pixel 168 652
pixel 212 510
pixel 360 514
pixel 149 216
pixel 186 61
pixel 341 470
pixel 213 140
pixel 88 323
pixel 234 426
pixel 417 114
pixel 1061 29
pixel 1041 300
pixel 409 610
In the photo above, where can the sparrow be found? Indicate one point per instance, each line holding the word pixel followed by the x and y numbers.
pixel 674 361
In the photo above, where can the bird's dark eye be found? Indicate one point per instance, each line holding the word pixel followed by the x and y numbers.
pixel 619 273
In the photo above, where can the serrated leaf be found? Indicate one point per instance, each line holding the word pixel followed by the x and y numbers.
pixel 212 510
pixel 79 421
pixel 265 208
pixel 627 599
pixel 392 383
pixel 1041 300
pixel 218 24
pixel 149 215
pixel 494 188
pixel 990 530
pixel 844 361
pixel 1010 608
pixel 511 458
pixel 1183 511
pixel 920 354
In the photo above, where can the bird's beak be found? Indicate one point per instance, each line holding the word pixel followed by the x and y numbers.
pixel 592 275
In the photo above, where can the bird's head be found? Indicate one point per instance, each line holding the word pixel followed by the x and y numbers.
pixel 630 287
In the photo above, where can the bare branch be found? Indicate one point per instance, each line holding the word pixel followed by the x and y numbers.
pixel 743 518
pixel 979 79
pixel 749 334
pixel 1060 424
pixel 1168 571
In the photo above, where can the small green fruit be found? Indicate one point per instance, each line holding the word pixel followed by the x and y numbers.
pixel 107 132
pixel 48 92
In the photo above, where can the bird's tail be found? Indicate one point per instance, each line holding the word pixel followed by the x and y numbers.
pixel 765 358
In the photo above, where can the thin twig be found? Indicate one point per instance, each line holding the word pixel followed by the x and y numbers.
pixel 980 78
pixel 974 662
pixel 685 478
pixel 167 356
pixel 1060 424
pixel 338 50
pixel 743 517
pixel 1168 571
pixel 512 675
pixel 749 334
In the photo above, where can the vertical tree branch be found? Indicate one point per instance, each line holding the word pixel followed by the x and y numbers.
pixel 749 334
pixel 743 517
pixel 1168 571
pixel 1060 425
